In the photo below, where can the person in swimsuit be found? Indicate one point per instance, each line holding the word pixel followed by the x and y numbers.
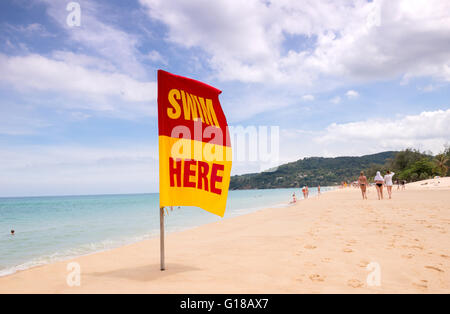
pixel 388 182
pixel 304 192
pixel 379 182
pixel 294 198
pixel 362 181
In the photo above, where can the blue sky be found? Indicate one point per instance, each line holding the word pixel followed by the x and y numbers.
pixel 348 77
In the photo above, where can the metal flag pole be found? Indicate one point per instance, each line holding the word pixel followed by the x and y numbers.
pixel 161 229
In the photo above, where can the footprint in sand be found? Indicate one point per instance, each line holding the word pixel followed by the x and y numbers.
pixel 416 247
pixel 355 283
pixel 317 278
pixel 310 247
pixel 347 250
pixel 408 256
pixel 444 256
pixel 326 259
pixel 300 279
pixel 421 285
pixel 435 268
pixel 363 264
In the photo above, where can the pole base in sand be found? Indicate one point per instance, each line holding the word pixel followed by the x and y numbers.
pixel 161 229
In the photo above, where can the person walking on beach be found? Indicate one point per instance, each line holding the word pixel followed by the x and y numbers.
pixel 294 199
pixel 379 181
pixel 318 190
pixel 388 182
pixel 304 192
pixel 307 192
pixel 362 181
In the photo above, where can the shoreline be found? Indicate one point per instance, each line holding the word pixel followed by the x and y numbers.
pixel 119 243
pixel 72 258
pixel 275 250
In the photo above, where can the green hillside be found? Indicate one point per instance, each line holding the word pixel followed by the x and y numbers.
pixel 311 171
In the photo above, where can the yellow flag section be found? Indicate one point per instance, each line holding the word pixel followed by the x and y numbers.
pixel 191 182
pixel 194 145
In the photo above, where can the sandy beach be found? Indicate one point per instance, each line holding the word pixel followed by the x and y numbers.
pixel 319 245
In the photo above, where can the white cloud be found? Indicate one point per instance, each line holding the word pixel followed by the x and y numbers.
pixel 20 121
pixel 427 131
pixel 156 57
pixel 430 88
pixel 104 39
pixel 427 124
pixel 34 29
pixel 336 100
pixel 308 97
pixel 242 106
pixel 83 60
pixel 35 72
pixel 98 70
pixel 64 170
pixel 352 94
pixel 79 116
pixel 354 40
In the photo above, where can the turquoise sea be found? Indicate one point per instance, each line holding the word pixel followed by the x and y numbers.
pixel 49 229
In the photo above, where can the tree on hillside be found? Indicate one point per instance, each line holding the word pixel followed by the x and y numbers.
pixel 405 159
pixel 441 162
pixel 420 170
pixel 447 154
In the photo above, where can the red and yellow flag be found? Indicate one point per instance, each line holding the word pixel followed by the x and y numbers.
pixel 194 145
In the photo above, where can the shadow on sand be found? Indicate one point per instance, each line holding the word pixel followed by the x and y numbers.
pixel 144 273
